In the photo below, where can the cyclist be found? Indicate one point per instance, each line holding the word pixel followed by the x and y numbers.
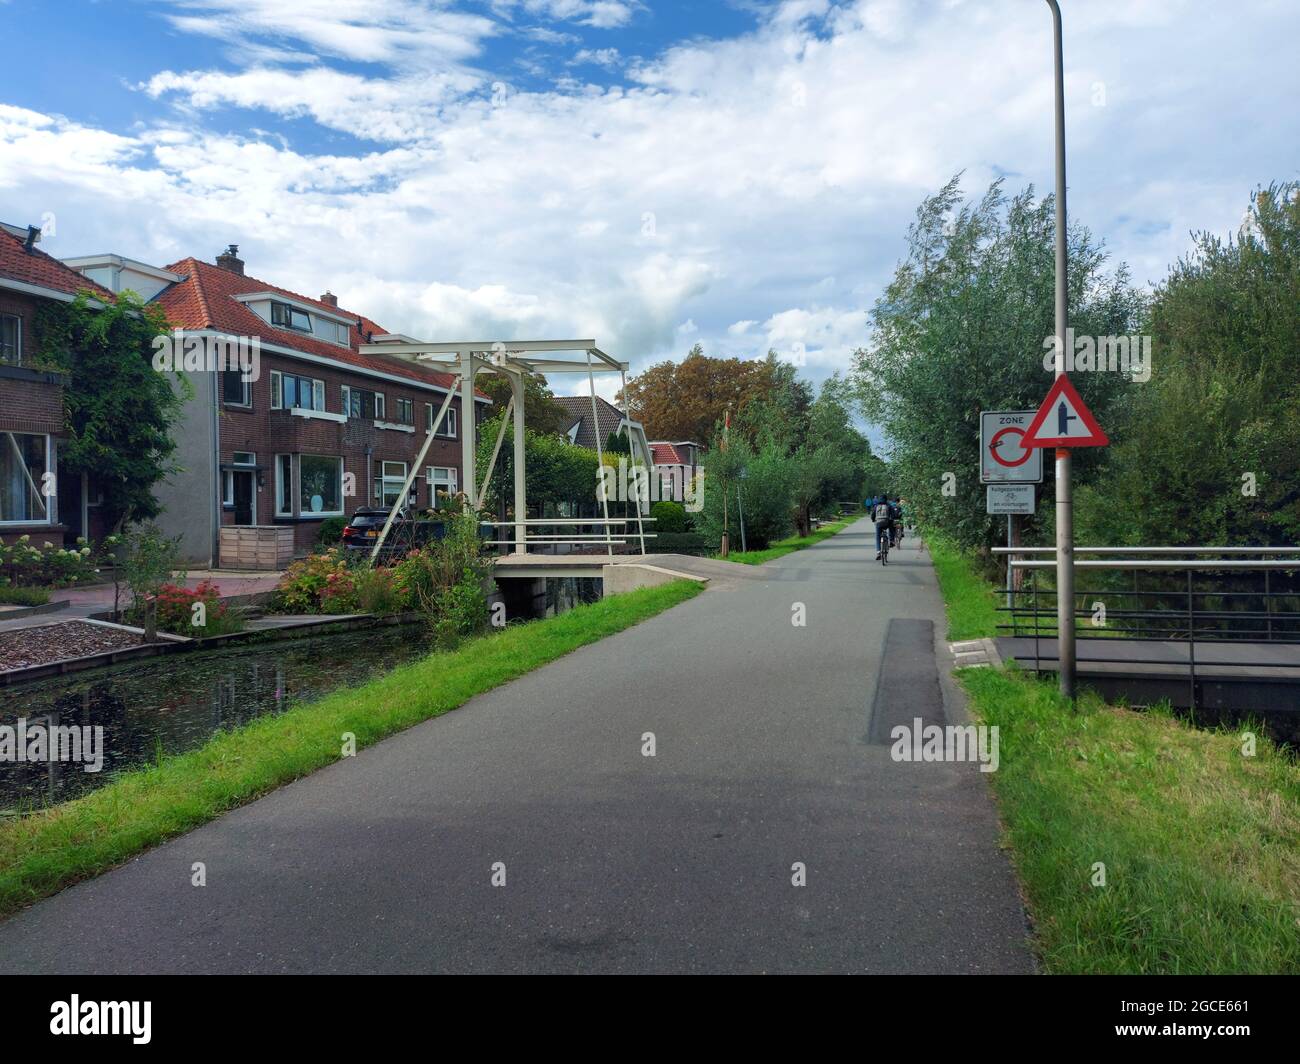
pixel 883 515
pixel 897 506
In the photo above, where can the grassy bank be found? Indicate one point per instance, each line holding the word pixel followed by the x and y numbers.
pixel 48 850
pixel 1201 844
pixel 790 544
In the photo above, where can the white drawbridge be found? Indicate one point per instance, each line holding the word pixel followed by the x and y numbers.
pixel 516 360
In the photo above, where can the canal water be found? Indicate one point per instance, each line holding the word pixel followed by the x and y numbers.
pixel 171 704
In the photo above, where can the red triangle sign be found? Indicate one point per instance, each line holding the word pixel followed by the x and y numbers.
pixel 1064 421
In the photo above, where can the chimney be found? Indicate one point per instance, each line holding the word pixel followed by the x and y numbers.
pixel 330 298
pixel 33 238
pixel 230 260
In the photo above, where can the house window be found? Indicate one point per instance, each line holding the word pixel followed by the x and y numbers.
pixel 24 460
pixel 441 479
pixel 360 403
pixel 284 485
pixel 235 390
pixel 388 485
pixel 302 393
pixel 448 427
pixel 11 338
pixel 290 317
pixel 405 411
pixel 320 485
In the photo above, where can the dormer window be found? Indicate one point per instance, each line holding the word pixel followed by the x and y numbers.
pixel 290 317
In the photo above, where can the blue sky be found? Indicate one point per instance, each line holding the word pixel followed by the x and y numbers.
pixel 650 173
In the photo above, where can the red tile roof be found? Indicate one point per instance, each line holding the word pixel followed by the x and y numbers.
pixel 35 267
pixel 205 300
pixel 666 454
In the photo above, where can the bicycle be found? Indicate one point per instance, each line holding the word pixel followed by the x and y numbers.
pixel 884 546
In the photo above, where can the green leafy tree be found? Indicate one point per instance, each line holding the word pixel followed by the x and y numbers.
pixel 542 414
pixel 1210 452
pixel 120 410
pixel 961 328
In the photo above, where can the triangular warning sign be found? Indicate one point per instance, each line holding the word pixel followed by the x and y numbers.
pixel 1064 421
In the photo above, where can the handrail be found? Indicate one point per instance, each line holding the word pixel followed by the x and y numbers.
pixel 1151 550
pixel 1176 566
pixel 568 521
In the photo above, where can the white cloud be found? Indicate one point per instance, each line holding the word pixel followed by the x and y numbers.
pixel 758 188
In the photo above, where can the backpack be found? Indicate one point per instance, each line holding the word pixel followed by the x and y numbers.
pixel 883 512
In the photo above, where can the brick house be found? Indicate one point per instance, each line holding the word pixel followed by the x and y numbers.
pixel 37 497
pixel 315 431
pixel 675 465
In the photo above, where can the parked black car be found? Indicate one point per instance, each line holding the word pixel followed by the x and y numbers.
pixel 362 532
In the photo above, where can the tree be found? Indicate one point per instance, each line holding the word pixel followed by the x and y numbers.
pixel 1210 451
pixel 765 493
pixel 685 400
pixel 120 410
pixel 961 329
pixel 556 471
pixel 542 414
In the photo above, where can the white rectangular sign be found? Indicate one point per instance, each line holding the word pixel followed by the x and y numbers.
pixel 1010 498
pixel 1002 459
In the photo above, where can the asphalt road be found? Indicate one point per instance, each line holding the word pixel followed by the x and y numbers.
pixel 766 756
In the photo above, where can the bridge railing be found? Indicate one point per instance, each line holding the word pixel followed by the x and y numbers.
pixel 1246 601
pixel 612 532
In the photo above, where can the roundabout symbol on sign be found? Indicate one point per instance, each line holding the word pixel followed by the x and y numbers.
pixel 1025 452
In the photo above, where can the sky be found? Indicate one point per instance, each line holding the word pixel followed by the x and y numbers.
pixel 651 173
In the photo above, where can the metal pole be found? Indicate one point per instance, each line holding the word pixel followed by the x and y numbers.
pixel 401 500
pixel 1064 498
pixel 1009 557
pixel 740 510
pixel 521 474
pixel 600 457
pixel 468 429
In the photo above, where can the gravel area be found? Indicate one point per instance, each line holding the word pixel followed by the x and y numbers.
pixel 54 642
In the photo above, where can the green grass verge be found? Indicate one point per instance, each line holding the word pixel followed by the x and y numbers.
pixel 972 603
pixel 1200 843
pixel 790 544
pixel 48 850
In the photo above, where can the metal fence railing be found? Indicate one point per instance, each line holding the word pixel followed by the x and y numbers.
pixel 1187 603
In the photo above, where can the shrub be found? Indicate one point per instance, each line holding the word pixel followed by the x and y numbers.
pixel 23 564
pixel 307 581
pixel 678 543
pixel 459 611
pixel 669 517
pixel 330 532
pixel 176 613
pixel 377 591
pixel 24 596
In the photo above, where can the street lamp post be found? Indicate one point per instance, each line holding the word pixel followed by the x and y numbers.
pixel 1064 500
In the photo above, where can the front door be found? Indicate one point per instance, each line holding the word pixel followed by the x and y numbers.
pixel 243 497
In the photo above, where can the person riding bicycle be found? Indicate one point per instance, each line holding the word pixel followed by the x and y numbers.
pixel 897 506
pixel 883 514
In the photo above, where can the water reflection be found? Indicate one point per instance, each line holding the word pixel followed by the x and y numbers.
pixel 172 704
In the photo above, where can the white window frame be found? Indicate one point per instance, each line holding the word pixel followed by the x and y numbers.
pixel 448 424
pixel 47 501
pixel 247 402
pixel 449 482
pixel 276 389
pixel 18 346
pixel 317 392
pixel 385 481
pixel 279 485
pixel 314 514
